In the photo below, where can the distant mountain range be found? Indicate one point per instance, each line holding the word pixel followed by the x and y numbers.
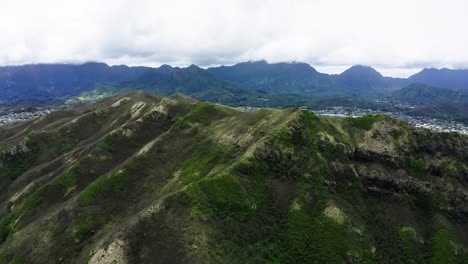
pixel 228 84
pixel 57 80
pixel 365 78
pixel 301 78
pixel 193 80
pixel 278 78
pixel 444 78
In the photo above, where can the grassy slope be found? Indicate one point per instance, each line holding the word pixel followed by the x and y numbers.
pixel 157 180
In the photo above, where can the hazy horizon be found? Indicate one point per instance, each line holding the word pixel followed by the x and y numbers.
pixel 397 38
pixel 401 73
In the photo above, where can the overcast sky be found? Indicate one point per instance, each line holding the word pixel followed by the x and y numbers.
pixel 397 37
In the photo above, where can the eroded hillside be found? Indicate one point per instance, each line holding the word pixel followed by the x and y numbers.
pixel 143 179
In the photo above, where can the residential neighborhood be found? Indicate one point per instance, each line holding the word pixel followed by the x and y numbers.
pixel 435 124
pixel 24 115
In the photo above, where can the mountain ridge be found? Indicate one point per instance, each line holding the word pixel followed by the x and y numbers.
pixel 56 81
pixel 456 79
pixel 418 93
pixel 191 80
pixel 137 178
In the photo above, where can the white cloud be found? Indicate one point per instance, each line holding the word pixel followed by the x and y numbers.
pixel 395 36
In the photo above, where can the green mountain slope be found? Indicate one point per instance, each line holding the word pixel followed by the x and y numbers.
pixel 301 79
pixel 52 81
pixel 418 93
pixel 365 78
pixel 282 78
pixel 456 79
pixel 55 81
pixel 142 179
pixel 193 81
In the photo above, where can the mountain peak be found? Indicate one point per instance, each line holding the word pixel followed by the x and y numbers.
pixel 165 68
pixel 272 66
pixel 363 78
pixel 361 71
pixel 94 63
pixel 259 62
pixel 444 78
pixel 194 68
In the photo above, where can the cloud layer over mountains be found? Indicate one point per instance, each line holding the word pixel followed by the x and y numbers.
pixel 396 37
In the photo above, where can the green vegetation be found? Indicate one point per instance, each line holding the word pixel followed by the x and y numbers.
pixel 16 161
pixel 417 167
pixel 106 143
pixel 442 248
pixel 283 135
pixel 17 260
pixel 452 168
pixel 201 113
pixel 409 246
pixel 269 186
pixel 128 126
pixel 181 123
pixel 102 116
pixel 31 203
pixel 5 227
pixel 334 152
pixel 365 122
pixel 26 209
pixel 204 158
pixel 311 236
pixel 68 179
pixel 81 227
pixel 223 197
pixel 66 147
pixel 427 203
pixel 67 139
pixel 104 187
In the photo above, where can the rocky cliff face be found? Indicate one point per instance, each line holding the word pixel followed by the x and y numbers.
pixel 143 179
